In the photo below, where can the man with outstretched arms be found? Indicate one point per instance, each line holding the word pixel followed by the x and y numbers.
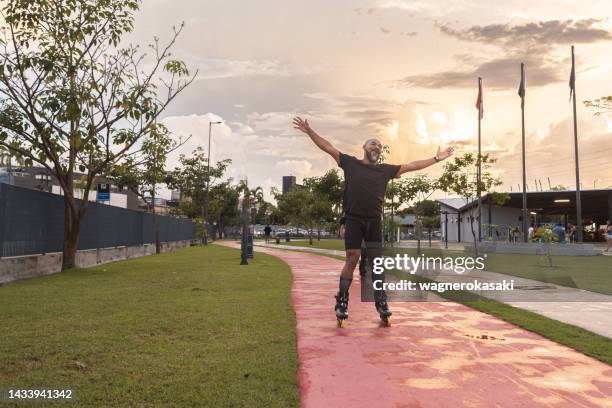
pixel 366 183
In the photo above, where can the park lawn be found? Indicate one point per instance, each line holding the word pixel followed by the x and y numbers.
pixel 188 328
pixel 592 273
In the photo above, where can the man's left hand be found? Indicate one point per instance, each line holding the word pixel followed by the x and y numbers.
pixel 446 153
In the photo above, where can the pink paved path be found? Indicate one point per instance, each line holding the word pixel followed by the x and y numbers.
pixel 435 354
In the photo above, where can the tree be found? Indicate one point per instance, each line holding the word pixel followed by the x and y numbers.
pixel 304 207
pixel 143 173
pixel 259 209
pixel 418 188
pixel 224 200
pixel 278 215
pixel 429 211
pixel 190 178
pixel 72 99
pixel 330 187
pixel 459 177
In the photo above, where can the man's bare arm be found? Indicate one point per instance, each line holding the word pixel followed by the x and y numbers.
pixel 421 164
pixel 323 144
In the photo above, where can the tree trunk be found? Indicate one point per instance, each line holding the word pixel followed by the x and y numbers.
pixel 157 239
pixel 474 236
pixel 418 234
pixel 310 236
pixel 72 229
pixel 220 227
pixel 156 222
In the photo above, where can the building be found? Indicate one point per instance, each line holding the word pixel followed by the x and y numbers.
pixel 544 207
pixel 175 195
pixel 288 184
pixel 40 178
pixel 162 206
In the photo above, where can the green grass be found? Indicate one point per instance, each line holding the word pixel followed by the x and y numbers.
pixel 189 328
pixel 592 273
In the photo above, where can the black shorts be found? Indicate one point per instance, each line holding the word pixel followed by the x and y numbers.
pixel 368 230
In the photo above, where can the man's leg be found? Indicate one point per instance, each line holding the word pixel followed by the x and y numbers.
pixel 352 257
pixel 374 247
pixel 363 261
pixel 352 243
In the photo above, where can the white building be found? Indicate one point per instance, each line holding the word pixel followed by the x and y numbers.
pixel 543 207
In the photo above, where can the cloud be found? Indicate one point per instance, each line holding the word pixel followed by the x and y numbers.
pixel 387 31
pixel 223 141
pixel 216 68
pixel 550 154
pixel 530 43
pixel 542 34
pixel 414 6
pixel 262 146
pixel 499 74
pixel 298 168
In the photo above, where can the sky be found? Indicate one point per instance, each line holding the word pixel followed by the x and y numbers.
pixel 404 71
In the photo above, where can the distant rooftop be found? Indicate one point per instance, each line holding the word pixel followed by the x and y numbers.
pixel 453 202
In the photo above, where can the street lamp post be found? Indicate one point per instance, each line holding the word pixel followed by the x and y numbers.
pixel 595 181
pixel 205 206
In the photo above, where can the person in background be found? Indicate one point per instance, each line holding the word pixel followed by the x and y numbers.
pixel 572 233
pixel 515 234
pixel 267 231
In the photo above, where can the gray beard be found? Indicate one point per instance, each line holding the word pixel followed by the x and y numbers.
pixel 372 157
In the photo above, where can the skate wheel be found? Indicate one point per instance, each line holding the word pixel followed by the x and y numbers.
pixel 387 321
pixel 341 323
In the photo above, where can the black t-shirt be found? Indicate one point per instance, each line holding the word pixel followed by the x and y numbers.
pixel 365 186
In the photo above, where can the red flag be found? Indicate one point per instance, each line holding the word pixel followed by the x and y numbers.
pixel 479 104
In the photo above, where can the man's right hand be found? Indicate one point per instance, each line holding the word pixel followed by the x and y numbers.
pixel 302 125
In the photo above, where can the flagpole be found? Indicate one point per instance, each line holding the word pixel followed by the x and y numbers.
pixel 478 174
pixel 522 94
pixel 578 200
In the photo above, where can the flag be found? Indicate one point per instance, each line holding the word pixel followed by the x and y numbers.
pixel 572 79
pixel 521 90
pixel 479 104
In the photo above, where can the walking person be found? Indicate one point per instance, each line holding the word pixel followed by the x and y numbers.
pixel 366 182
pixel 572 233
pixel 267 232
pixel 516 234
